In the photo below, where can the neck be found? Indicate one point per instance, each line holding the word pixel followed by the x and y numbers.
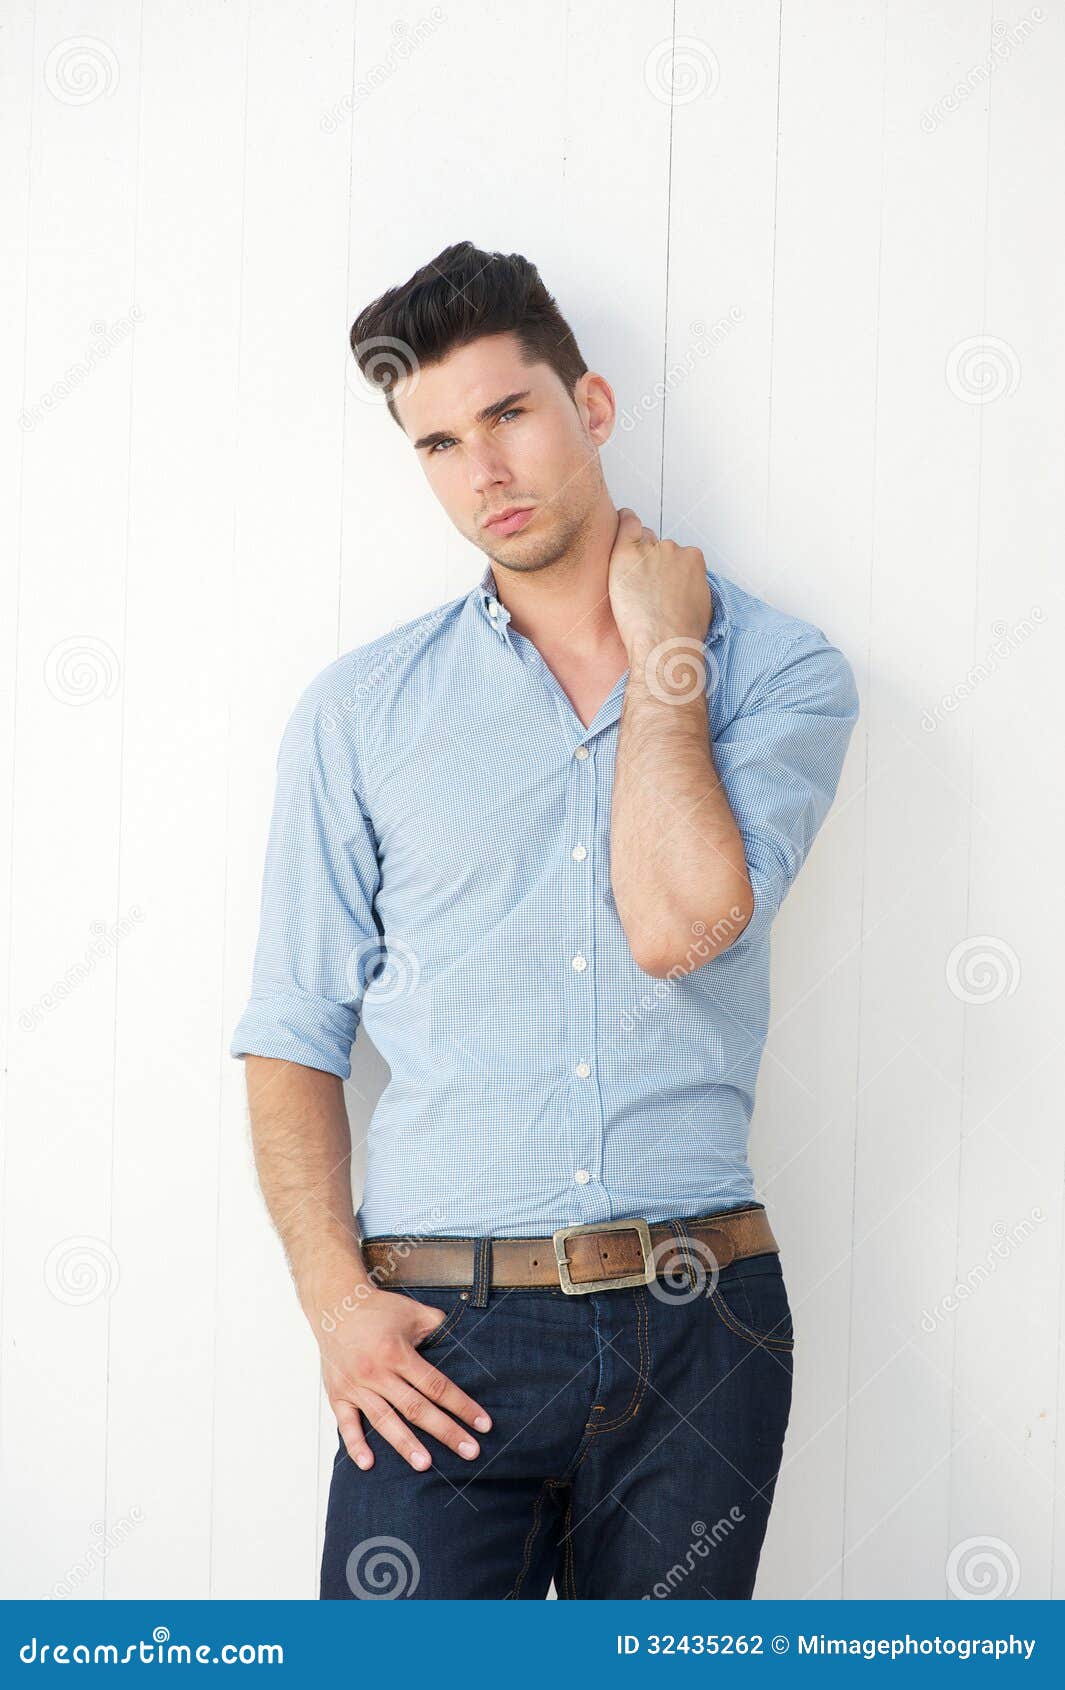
pixel 566 606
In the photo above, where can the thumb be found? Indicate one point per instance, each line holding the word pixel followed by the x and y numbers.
pixel 629 526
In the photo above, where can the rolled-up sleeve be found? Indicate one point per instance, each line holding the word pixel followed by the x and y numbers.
pixel 780 760
pixel 317 927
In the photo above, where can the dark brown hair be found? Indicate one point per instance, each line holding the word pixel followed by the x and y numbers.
pixel 460 295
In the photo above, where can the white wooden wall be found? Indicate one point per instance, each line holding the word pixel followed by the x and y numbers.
pixel 849 278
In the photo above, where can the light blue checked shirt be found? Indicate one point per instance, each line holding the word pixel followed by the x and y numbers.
pixel 438 867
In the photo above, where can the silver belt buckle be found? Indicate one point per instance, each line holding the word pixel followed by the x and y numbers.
pixel 647 1273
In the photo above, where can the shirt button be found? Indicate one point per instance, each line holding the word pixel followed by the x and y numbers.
pixel 493 607
pixel 582 1176
pixel 578 853
pixel 583 1070
pixel 580 963
pixel 581 752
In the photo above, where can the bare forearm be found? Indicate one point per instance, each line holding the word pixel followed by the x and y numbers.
pixel 677 863
pixel 301 1139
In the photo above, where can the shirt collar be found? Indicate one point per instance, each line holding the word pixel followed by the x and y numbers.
pixel 496 613
pixel 491 606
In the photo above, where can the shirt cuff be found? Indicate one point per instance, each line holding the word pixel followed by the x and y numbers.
pixel 768 885
pixel 296 1027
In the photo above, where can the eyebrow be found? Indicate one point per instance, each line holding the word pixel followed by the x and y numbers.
pixel 494 410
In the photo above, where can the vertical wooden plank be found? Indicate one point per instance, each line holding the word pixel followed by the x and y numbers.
pixel 1007 1314
pixel 758 397
pixel 285 536
pixel 819 547
pixel 64 1274
pixel 180 613
pixel 931 280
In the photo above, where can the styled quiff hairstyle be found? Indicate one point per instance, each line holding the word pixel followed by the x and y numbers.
pixel 457 297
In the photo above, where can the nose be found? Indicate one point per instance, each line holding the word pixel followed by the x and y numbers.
pixel 487 467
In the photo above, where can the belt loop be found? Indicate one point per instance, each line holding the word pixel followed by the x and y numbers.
pixel 685 1252
pixel 482 1272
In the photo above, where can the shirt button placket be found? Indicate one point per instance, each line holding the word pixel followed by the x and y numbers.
pixel 580 1051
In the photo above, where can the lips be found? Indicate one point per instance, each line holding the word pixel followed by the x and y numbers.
pixel 510 520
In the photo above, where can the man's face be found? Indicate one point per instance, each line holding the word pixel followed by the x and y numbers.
pixel 492 433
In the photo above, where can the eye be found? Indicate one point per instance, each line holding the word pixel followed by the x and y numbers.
pixel 514 411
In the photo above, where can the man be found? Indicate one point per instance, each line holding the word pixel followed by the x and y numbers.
pixel 535 841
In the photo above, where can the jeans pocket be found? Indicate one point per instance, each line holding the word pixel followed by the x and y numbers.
pixel 454 1304
pixel 751 1299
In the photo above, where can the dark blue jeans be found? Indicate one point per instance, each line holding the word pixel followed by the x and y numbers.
pixel 636 1439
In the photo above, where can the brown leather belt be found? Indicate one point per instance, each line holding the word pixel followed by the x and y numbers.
pixel 602 1257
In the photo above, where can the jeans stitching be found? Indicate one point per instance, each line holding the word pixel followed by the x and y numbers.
pixel 729 1319
pixel 685 1253
pixel 446 1326
pixel 567 1557
pixel 530 1537
pixel 643 1373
